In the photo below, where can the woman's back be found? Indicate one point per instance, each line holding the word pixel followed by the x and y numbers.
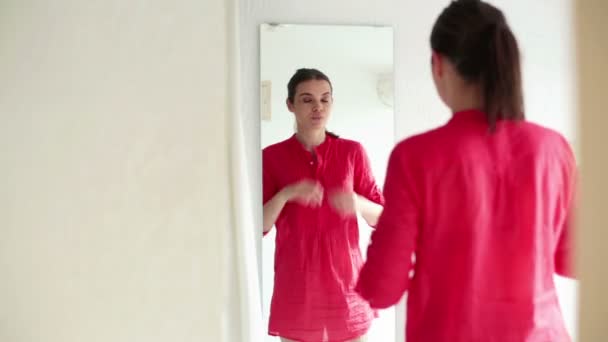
pixel 492 209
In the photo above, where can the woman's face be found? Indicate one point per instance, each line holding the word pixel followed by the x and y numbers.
pixel 311 105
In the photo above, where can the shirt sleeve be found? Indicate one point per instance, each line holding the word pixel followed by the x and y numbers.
pixel 564 251
pixel 385 275
pixel 364 181
pixel 269 185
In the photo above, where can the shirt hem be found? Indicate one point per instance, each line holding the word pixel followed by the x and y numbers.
pixel 348 338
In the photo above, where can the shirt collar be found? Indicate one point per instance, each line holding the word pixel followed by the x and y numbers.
pixel 468 115
pixel 322 147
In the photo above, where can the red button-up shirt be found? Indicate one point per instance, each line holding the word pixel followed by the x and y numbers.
pixel 317 256
pixel 487 215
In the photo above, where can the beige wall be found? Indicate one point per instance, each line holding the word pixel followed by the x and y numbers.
pixel 113 171
pixel 593 234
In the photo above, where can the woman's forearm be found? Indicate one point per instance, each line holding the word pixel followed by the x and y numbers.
pixel 369 210
pixel 273 208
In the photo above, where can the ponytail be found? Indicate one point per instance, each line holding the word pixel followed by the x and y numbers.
pixel 501 77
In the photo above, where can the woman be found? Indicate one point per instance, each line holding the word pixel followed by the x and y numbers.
pixel 484 201
pixel 314 184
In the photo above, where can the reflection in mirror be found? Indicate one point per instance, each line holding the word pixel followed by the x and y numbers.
pixel 326 141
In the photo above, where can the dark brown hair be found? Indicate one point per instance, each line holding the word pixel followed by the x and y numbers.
pixel 303 75
pixel 476 38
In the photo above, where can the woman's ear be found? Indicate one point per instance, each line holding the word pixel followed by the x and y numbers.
pixel 437 64
pixel 290 106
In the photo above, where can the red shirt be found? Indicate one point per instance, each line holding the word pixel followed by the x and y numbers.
pixel 487 215
pixel 317 256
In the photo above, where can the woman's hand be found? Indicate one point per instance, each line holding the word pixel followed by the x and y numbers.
pixel 344 202
pixel 305 192
pixel 348 203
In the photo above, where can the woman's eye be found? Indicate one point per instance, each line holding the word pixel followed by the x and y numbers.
pixel 307 100
pixel 325 100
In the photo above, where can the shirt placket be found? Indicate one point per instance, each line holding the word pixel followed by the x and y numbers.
pixel 315 165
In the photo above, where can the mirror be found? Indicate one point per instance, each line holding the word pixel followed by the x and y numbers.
pixel 358 60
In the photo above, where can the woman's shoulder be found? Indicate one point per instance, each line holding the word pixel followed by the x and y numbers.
pixel 548 140
pixel 348 146
pixel 346 143
pixel 277 147
pixel 421 141
pixel 542 132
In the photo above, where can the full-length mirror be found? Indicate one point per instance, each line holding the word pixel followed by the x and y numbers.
pixel 326 97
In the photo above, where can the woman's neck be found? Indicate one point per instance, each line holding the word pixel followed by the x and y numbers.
pixel 466 98
pixel 311 139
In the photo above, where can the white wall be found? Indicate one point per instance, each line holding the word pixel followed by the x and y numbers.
pixel 112 223
pixel 544 29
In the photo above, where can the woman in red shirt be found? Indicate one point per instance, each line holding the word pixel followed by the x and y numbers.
pixel 314 184
pixel 484 201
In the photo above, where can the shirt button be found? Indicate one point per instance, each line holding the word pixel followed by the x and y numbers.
pixel 311 163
